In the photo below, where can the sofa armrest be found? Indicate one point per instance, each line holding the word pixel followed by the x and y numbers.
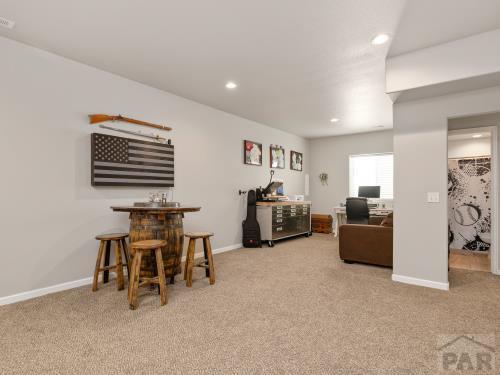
pixel 366 244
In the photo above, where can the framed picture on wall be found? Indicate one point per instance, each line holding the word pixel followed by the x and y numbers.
pixel 296 161
pixel 277 156
pixel 252 153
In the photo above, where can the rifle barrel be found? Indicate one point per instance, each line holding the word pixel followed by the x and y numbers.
pixel 97 118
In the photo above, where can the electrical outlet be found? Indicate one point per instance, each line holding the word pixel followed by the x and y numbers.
pixel 433 197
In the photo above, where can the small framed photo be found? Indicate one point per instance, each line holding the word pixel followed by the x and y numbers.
pixel 277 156
pixel 296 161
pixel 252 153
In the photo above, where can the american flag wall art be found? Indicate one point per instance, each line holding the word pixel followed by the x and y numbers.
pixel 118 161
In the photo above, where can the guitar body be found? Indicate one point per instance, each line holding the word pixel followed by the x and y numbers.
pixel 251 227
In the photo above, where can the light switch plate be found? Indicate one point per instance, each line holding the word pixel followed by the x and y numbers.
pixel 433 197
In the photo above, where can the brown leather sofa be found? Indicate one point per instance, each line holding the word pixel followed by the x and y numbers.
pixel 371 244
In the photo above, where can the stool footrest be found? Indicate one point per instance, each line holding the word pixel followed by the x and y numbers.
pixel 109 268
pixel 149 280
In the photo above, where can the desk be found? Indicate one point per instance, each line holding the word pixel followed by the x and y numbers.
pixel 341 216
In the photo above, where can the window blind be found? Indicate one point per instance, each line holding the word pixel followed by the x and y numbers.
pixel 371 170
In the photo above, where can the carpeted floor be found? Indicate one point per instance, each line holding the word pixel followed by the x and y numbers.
pixel 291 309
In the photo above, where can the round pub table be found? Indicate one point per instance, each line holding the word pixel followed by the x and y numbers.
pixel 150 222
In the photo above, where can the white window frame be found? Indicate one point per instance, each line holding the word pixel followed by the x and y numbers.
pixel 351 187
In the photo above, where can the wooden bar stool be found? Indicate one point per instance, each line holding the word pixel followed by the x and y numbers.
pixel 105 245
pixel 207 262
pixel 135 281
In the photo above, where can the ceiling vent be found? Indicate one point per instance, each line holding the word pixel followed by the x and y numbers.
pixel 7 23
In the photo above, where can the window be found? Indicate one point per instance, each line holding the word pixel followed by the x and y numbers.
pixel 372 169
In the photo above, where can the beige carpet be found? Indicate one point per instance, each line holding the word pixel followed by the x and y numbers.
pixel 291 309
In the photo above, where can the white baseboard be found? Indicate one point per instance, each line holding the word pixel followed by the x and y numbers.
pixel 217 251
pixel 7 300
pixel 420 282
pixel 42 291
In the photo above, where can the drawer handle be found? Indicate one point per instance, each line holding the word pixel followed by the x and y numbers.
pixel 279 215
pixel 279 229
pixel 292 214
pixel 279 220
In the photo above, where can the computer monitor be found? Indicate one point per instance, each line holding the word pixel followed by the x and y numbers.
pixel 369 191
pixel 276 188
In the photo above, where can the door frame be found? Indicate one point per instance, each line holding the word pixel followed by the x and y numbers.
pixel 493 130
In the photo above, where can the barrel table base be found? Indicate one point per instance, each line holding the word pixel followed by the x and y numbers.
pixel 159 226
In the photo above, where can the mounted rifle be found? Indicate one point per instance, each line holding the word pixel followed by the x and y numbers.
pixel 97 118
pixel 156 137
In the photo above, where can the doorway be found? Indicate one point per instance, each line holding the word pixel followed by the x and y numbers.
pixel 472 198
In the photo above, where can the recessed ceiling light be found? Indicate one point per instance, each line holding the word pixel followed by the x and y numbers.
pixel 477 136
pixel 380 39
pixel 334 120
pixel 231 85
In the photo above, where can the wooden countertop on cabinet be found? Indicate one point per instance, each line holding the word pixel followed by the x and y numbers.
pixel 282 203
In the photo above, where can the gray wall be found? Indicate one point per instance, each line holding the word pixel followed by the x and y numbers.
pixel 420 154
pixel 331 155
pixel 50 213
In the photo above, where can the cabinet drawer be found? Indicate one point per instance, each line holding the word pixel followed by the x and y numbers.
pixel 278 220
pixel 278 228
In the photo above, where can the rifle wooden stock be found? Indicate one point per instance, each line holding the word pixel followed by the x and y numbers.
pixel 97 118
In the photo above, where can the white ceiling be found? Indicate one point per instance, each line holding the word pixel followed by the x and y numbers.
pixel 298 63
pixel 461 136
pixel 425 23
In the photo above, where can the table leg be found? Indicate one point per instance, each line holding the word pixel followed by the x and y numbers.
pixel 341 218
pixel 106 262
pixel 127 259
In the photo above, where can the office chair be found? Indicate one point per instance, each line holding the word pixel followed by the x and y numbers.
pixel 357 211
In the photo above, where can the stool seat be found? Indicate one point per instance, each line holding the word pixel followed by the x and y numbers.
pixel 148 244
pixel 111 236
pixel 196 235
